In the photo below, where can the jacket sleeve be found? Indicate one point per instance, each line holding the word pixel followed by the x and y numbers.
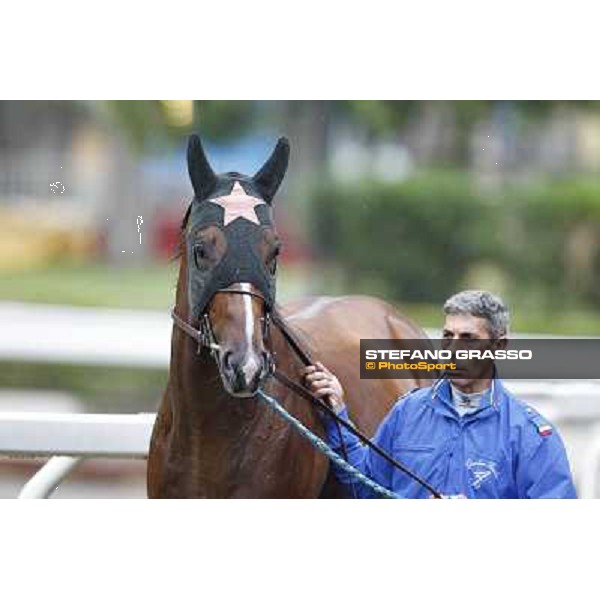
pixel 362 457
pixel 544 469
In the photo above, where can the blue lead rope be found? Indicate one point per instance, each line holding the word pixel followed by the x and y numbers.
pixel 322 447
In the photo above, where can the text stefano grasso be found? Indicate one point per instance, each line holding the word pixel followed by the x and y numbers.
pixel 382 354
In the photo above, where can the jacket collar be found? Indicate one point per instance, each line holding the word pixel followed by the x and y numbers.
pixel 441 398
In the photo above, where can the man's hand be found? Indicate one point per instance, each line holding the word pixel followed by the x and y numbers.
pixel 323 383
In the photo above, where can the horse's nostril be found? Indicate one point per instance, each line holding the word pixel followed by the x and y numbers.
pixel 227 360
pixel 266 361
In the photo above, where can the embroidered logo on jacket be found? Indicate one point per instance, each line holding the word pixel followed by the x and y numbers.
pixel 480 471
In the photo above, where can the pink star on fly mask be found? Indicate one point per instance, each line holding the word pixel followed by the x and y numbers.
pixel 238 204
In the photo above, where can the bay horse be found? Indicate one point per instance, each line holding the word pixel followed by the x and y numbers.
pixel 212 437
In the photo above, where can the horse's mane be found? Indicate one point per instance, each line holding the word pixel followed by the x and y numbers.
pixel 181 239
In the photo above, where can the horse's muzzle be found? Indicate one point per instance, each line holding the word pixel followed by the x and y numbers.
pixel 242 375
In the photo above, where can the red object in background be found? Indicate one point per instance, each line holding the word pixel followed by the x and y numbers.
pixel 295 251
pixel 164 237
pixel 100 244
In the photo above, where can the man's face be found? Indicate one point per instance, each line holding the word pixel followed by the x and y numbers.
pixel 469 333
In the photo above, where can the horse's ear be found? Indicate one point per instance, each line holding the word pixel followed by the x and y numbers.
pixel 202 176
pixel 270 176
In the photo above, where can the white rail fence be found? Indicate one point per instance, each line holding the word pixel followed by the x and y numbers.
pixel 137 338
pixel 67 439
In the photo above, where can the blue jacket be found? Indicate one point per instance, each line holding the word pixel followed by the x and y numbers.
pixel 504 450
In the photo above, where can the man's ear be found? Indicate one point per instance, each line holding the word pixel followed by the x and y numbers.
pixel 269 177
pixel 201 174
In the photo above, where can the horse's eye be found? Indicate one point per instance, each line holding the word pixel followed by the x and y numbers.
pixel 200 256
pixel 273 266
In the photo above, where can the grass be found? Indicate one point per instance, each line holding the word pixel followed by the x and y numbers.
pixel 96 284
pixel 153 287
pixel 92 284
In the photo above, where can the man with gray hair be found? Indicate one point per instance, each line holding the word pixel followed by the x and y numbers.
pixel 467 435
pixel 481 304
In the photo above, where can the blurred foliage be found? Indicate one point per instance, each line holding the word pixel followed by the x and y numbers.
pixel 223 119
pixel 150 124
pixel 379 116
pixel 566 322
pixel 139 121
pixel 424 238
pixel 402 233
pixel 397 119
pixel 554 244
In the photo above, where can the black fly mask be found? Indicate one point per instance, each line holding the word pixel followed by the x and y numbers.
pixel 240 206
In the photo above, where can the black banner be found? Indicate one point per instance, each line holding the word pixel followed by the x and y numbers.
pixel 577 358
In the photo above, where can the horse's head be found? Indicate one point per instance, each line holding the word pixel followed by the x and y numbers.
pixel 231 253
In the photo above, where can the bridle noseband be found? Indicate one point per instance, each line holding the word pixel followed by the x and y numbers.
pixel 205 336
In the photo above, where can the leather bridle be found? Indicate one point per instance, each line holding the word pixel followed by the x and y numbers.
pixel 204 335
pixel 205 338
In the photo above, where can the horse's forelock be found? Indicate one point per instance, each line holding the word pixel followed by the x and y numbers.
pixel 181 236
